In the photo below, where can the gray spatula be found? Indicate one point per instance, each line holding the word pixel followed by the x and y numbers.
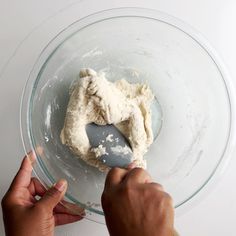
pixel 118 150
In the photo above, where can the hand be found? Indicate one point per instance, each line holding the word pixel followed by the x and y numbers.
pixel 133 205
pixel 24 215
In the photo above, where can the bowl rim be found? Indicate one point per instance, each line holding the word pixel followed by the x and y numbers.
pixel 106 15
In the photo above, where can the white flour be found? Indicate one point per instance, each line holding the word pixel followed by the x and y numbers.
pixel 109 138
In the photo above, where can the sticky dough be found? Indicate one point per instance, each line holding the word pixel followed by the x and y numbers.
pixel 95 99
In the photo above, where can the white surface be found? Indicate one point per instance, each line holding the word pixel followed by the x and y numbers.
pixel 216 214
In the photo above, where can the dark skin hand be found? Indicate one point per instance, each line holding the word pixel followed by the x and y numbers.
pixel 134 205
pixel 30 216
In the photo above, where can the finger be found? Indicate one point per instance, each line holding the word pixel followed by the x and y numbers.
pixel 115 176
pixel 62 219
pixel 36 188
pixel 137 175
pixel 69 208
pixel 23 176
pixel 157 186
pixel 131 166
pixel 53 196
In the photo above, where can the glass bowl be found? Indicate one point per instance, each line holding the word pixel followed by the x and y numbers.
pixel 140 45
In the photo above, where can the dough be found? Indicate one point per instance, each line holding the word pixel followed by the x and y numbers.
pixel 95 99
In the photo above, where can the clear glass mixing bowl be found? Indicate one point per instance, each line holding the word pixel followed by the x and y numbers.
pixel 139 45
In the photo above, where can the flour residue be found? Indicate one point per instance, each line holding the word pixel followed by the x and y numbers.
pixel 119 150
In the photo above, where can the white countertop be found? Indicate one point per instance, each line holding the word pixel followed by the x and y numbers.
pixel 21 21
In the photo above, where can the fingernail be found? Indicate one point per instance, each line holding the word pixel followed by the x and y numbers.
pixel 32 157
pixel 132 165
pixel 61 185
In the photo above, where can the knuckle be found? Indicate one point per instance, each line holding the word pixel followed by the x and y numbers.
pixel 157 186
pixel 139 170
pixel 134 174
pixel 166 199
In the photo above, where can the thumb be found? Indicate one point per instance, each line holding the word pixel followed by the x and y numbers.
pixel 54 195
